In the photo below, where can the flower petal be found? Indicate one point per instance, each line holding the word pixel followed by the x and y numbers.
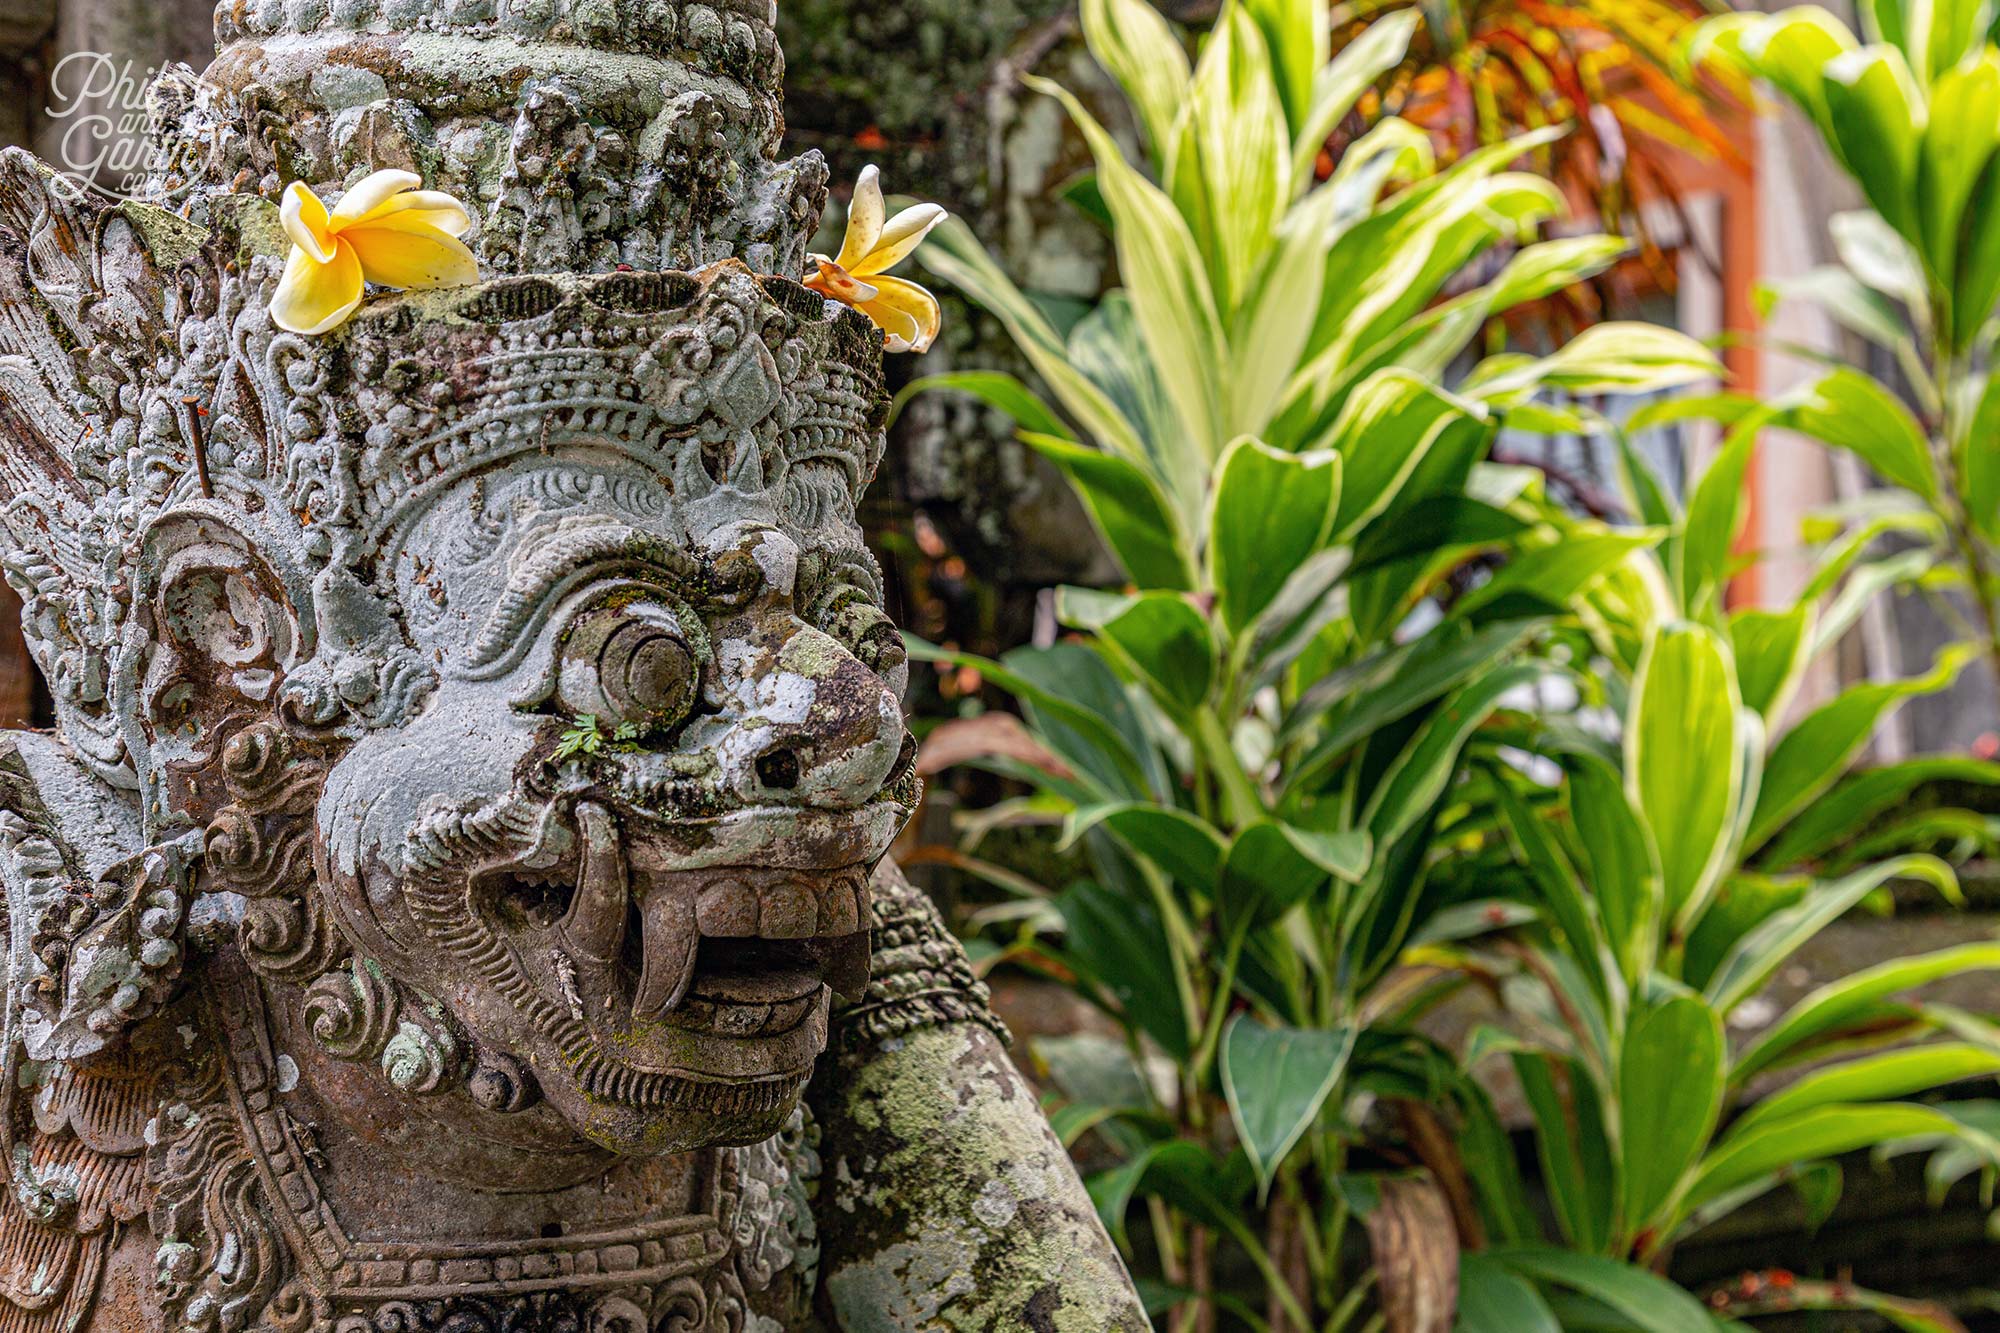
pixel 313 297
pixel 371 193
pixel 402 251
pixel 864 219
pixel 305 222
pixel 835 281
pixel 905 232
pixel 440 210
pixel 906 311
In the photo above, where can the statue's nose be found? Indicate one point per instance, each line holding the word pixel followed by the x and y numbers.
pixel 827 731
pixel 633 664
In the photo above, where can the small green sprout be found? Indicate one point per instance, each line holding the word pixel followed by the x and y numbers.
pixel 587 736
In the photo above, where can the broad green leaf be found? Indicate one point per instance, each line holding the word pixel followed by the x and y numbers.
pixel 954 254
pixel 1874 253
pixel 1396 683
pixel 1812 756
pixel 1823 1131
pixel 1338 83
pixel 1121 945
pixel 1978 280
pixel 1277 1080
pixel 1132 41
pixel 1108 348
pixel 1297 35
pixel 1653 1304
pixel 1556 883
pixel 1623 863
pixel 1420 774
pixel 1876 113
pixel 1577 1166
pixel 1851 411
pixel 1831 1006
pixel 1264 876
pixel 1614 357
pixel 1980 462
pixel 1762 951
pixel 1171 295
pixel 1860 800
pixel 1493 1300
pixel 1188 850
pixel 1859 309
pixel 1670 1082
pixel 1272 510
pixel 1684 759
pixel 1168 645
pixel 1235 123
pixel 1715 516
pixel 1957 143
pixel 1438 523
pixel 1385 430
pixel 1875 1078
pixel 1135 519
pixel 1553 574
pixel 1176 1170
pixel 1078 733
pixel 1547 267
pixel 1771 649
pixel 994 388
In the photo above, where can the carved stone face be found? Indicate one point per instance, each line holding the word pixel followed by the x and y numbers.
pixel 633 738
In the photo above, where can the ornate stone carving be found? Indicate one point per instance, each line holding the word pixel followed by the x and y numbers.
pixel 478 730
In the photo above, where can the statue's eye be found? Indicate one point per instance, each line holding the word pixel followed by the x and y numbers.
pixel 630 665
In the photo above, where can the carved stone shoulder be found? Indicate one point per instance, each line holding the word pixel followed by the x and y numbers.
pixel 920 977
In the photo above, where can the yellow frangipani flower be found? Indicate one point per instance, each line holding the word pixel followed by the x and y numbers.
pixel 384 230
pixel 907 314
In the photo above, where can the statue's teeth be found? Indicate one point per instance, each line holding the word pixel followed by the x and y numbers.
pixel 727 909
pixel 596 921
pixel 667 926
pixel 790 911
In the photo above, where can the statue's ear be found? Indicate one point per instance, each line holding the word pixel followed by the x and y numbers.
pixel 228 621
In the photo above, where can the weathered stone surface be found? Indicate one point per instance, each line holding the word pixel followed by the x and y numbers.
pixel 478 733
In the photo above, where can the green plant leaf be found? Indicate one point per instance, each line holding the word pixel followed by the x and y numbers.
pixel 1827 1009
pixel 1169 646
pixel 1338 83
pixel 1875 112
pixel 1822 1131
pixel 954 254
pixel 1171 296
pixel 1851 411
pixel 1272 511
pixel 994 388
pixel 1771 650
pixel 1684 759
pixel 1670 1082
pixel 1277 1080
pixel 1550 575
pixel 1186 849
pixel 1653 1304
pixel 1763 950
pixel 1858 801
pixel 1120 943
pixel 1235 123
pixel 1876 1078
pixel 1624 864
pixel 1265 875
pixel 1493 1300
pixel 1715 516
pixel 1958 141
pixel 1812 756
pixel 1419 775
pixel 1140 50
pixel 1129 510
pixel 1387 427
pixel 1980 463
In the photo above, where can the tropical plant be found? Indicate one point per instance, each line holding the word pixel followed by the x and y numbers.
pixel 1252 746
pixel 1482 71
pixel 1672 868
pixel 1912 113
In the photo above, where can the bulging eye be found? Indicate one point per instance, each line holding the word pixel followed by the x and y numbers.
pixel 863 628
pixel 629 665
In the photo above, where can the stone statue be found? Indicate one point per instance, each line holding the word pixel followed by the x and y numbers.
pixel 453 897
